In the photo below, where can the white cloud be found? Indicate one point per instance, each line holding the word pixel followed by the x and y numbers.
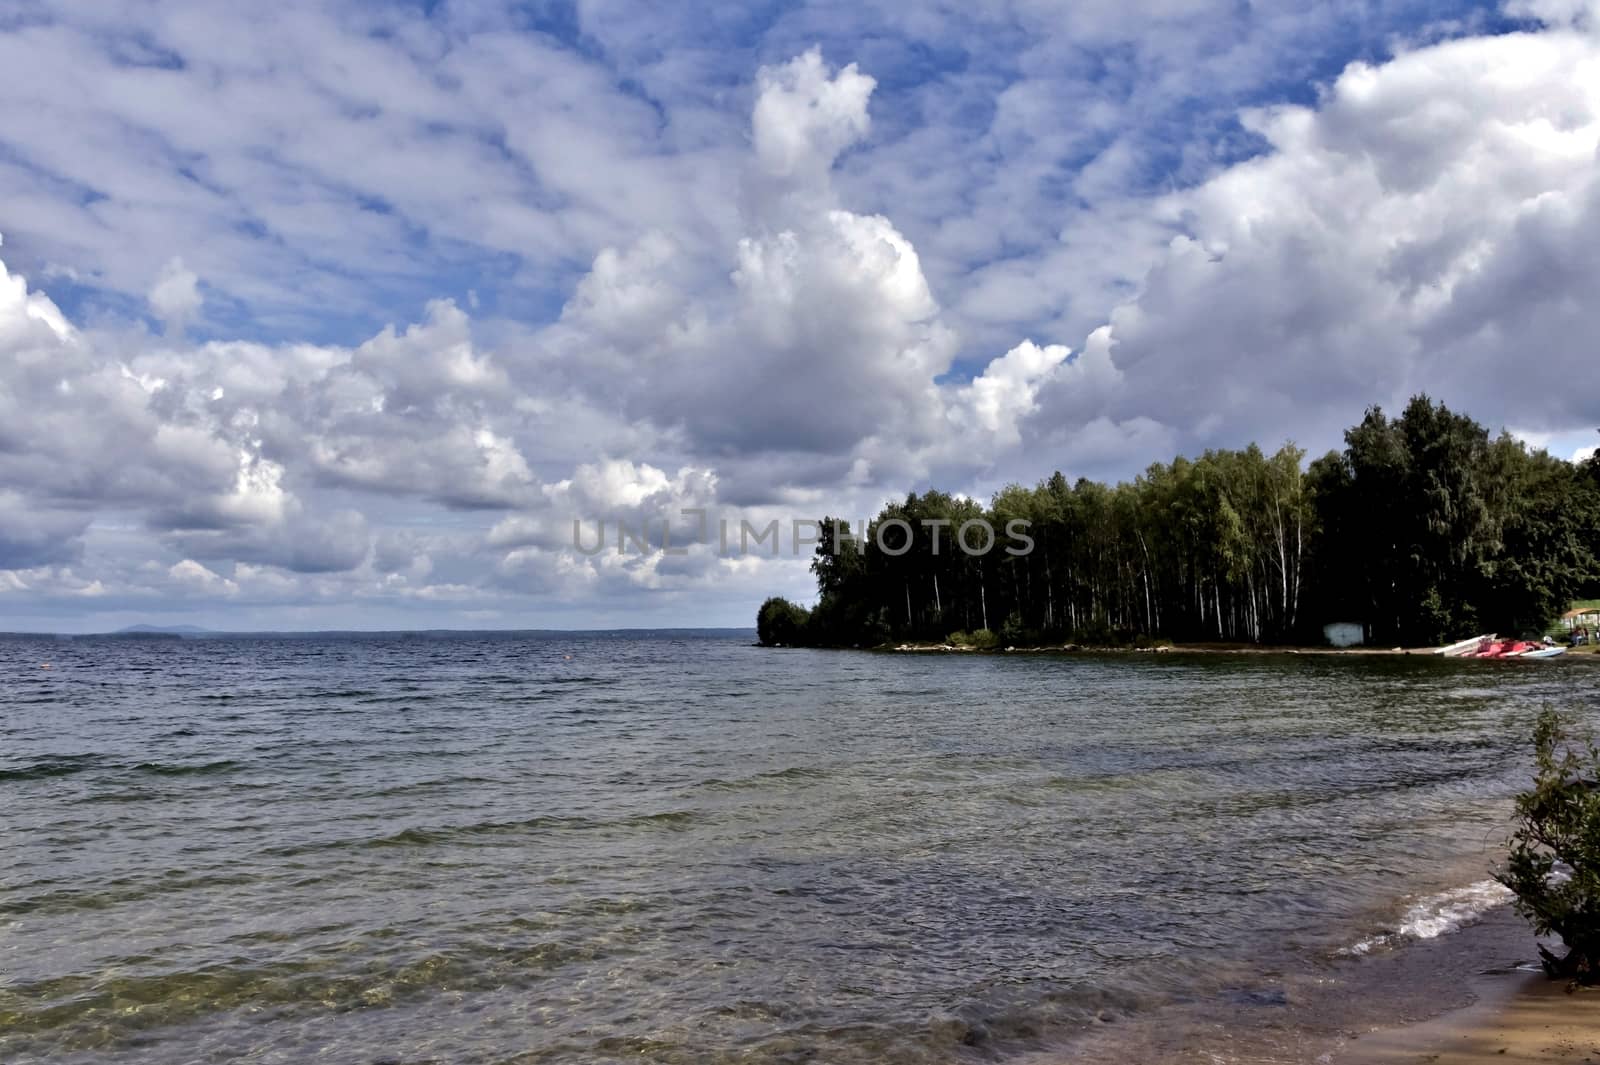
pixel 192 576
pixel 1582 14
pixel 806 289
pixel 175 297
pixel 805 115
pixel 824 341
pixel 1004 394
pixel 1425 227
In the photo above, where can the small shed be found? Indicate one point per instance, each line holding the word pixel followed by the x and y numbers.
pixel 1345 633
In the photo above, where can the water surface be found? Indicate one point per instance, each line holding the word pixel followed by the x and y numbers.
pixel 537 848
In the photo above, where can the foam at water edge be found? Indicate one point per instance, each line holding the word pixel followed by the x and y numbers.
pixel 1436 915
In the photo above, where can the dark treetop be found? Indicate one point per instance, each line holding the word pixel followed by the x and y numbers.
pixel 1424 528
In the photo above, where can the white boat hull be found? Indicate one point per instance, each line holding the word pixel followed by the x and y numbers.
pixel 1463 647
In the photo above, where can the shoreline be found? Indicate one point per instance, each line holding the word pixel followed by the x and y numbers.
pixel 1523 1018
pixel 1573 654
pixel 1468 997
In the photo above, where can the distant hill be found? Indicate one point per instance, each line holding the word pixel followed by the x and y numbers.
pixel 162 630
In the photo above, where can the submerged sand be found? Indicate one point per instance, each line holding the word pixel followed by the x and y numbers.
pixel 1464 998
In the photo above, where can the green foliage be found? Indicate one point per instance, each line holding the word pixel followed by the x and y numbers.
pixel 780 623
pixel 1014 633
pixel 983 640
pixel 1432 530
pixel 1558 832
pixel 1552 514
pixel 1423 529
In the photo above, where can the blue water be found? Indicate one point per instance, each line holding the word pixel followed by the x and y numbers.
pixel 601 848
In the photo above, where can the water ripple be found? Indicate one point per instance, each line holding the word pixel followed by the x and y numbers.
pixel 563 848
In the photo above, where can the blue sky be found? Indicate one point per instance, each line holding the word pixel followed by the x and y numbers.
pixel 335 314
pixel 942 77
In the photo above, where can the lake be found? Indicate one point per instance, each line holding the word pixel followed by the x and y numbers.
pixel 681 848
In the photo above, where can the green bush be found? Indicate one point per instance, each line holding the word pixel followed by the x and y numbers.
pixel 1554 865
pixel 780 623
pixel 983 640
pixel 1016 634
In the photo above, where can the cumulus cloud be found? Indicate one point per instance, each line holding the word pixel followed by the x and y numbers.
pixel 1425 226
pixel 175 297
pixel 805 115
pixel 217 449
pixel 706 309
pixel 825 340
pixel 191 576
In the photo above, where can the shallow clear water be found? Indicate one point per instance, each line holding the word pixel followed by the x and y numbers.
pixel 530 848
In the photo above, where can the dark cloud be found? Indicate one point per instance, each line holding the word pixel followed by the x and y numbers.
pixel 30 538
pixel 333 544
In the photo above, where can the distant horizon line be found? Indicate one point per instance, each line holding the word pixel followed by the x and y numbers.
pixel 199 631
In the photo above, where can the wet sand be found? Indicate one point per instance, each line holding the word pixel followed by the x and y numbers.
pixel 1465 998
pixel 1530 1019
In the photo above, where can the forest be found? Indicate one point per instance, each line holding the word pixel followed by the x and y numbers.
pixel 1424 528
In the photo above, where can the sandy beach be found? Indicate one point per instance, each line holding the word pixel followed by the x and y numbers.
pixel 1526 1019
pixel 1464 998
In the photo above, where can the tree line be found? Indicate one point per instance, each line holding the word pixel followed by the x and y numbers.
pixel 1423 529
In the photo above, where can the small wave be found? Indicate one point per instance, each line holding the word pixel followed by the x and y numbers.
pixel 800 773
pixel 795 772
pixel 336 978
pixel 426 836
pixel 437 784
pixel 1436 915
pixel 119 797
pixel 114 893
pixel 61 766
pixel 180 769
pixel 577 680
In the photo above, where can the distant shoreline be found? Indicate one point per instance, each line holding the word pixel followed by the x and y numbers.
pixel 194 633
pixel 1573 654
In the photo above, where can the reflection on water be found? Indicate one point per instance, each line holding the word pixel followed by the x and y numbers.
pixel 475 848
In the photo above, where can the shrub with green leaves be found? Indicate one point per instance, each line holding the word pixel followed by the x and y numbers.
pixel 780 623
pixel 1554 865
pixel 983 640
